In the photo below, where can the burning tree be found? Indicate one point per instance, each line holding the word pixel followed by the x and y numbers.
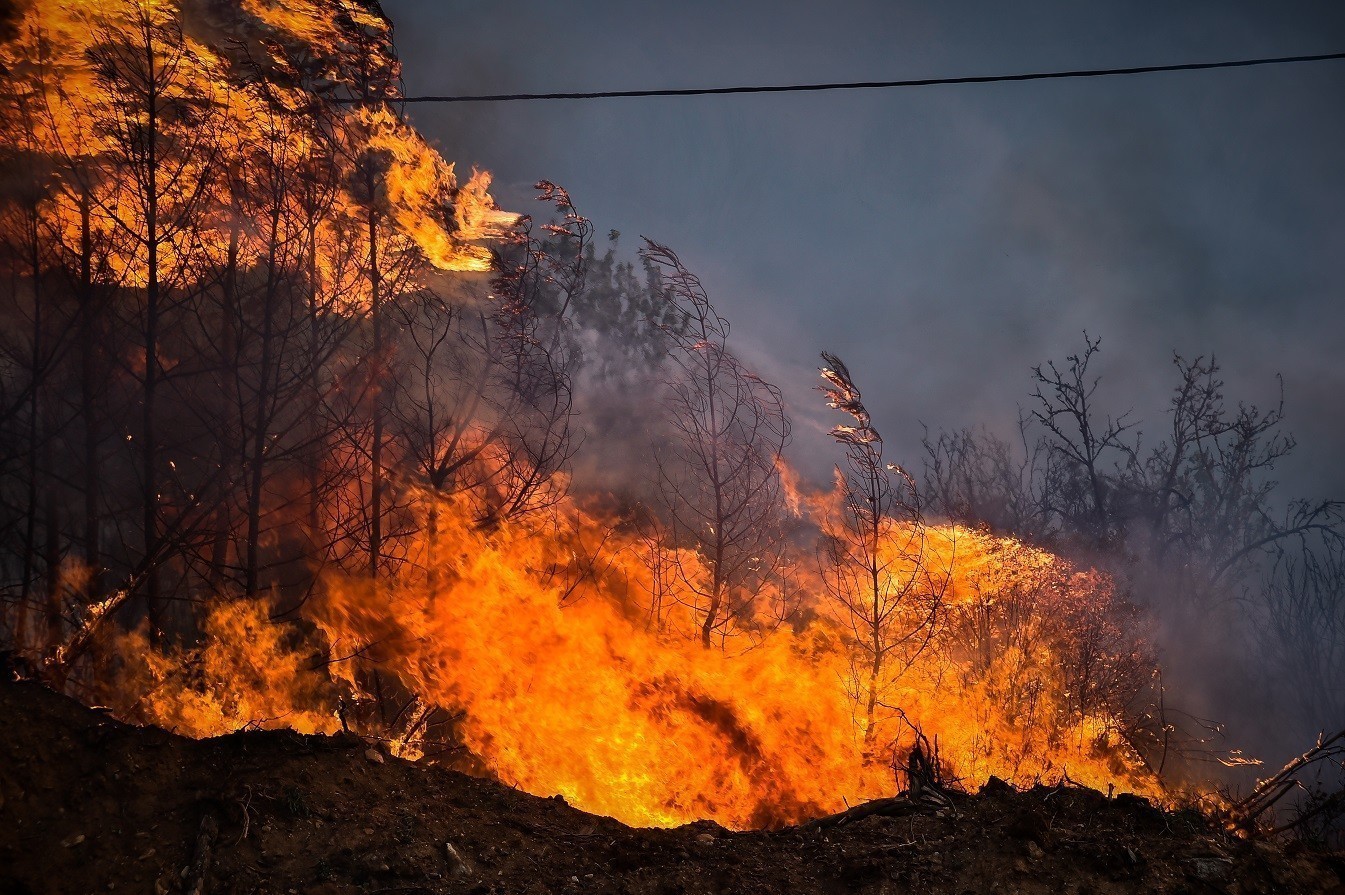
pixel 28 348
pixel 197 299
pixel 482 409
pixel 536 294
pixel 875 561
pixel 157 115
pixel 267 326
pixel 719 472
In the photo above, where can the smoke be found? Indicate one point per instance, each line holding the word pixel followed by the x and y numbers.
pixel 1117 229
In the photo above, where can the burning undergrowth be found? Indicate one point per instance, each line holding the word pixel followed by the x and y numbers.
pixel 555 680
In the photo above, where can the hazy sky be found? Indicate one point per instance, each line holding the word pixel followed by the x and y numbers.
pixel 943 240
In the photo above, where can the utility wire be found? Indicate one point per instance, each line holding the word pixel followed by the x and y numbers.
pixel 869 85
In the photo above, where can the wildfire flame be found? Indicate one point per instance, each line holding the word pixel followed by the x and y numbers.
pixel 566 687
pixel 540 638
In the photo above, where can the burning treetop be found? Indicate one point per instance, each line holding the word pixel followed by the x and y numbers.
pixel 212 95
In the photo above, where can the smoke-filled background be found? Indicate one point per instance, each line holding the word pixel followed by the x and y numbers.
pixel 944 240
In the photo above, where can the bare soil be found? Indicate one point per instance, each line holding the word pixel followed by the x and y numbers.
pixel 91 805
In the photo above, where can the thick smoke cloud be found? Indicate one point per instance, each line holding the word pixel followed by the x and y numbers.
pixel 946 240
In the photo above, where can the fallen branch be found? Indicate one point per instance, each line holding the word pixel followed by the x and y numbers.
pixel 200 862
pixel 1329 806
pixel 1277 786
pixel 896 806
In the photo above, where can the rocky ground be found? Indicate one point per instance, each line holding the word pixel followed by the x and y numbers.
pixel 91 805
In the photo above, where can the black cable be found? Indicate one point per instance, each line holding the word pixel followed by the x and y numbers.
pixel 868 85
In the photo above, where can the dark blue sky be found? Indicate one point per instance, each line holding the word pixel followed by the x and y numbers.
pixel 943 240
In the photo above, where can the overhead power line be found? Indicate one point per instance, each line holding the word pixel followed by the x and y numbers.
pixel 872 85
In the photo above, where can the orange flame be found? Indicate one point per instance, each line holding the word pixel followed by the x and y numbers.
pixel 545 634
pixel 565 687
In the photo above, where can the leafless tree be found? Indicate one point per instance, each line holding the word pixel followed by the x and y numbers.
pixel 86 255
pixel 536 294
pixel 718 472
pixel 444 359
pixel 31 348
pixel 482 408
pixel 876 564
pixel 974 476
pixel 1202 496
pixel 158 121
pixel 271 331
pixel 390 263
pixel 1198 503
pixel 1082 440
pixel 1301 626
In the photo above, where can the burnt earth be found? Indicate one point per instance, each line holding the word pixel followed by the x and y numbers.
pixel 91 805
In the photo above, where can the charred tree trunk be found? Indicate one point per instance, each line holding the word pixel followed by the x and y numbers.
pixel 262 417
pixel 230 314
pixel 34 434
pixel 149 458
pixel 90 370
pixel 376 373
pixel 51 560
pixel 313 448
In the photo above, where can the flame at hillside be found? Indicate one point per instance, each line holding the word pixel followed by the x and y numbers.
pixel 565 686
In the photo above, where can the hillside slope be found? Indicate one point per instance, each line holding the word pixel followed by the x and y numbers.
pixel 91 805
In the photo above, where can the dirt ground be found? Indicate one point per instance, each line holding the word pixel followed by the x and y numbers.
pixel 91 805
